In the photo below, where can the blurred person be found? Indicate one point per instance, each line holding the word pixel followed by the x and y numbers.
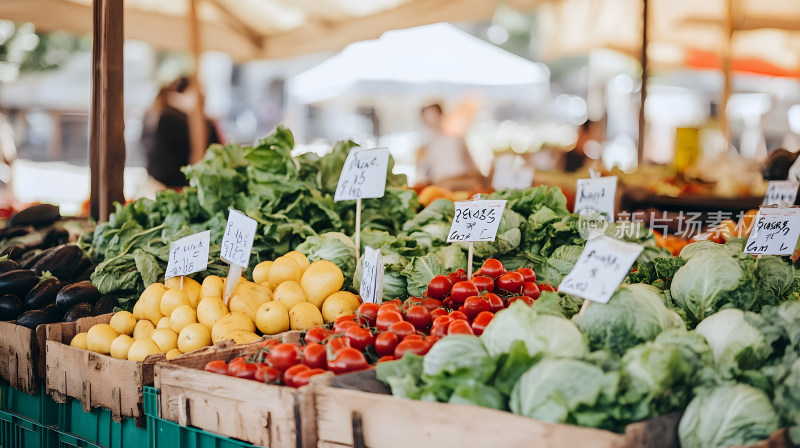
pixel 8 148
pixel 781 164
pixel 165 135
pixel 576 158
pixel 444 160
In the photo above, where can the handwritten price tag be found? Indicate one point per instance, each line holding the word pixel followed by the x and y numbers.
pixel 597 194
pixel 781 193
pixel 601 267
pixel 775 231
pixel 188 255
pixel 372 279
pixel 476 220
pixel 237 242
pixel 363 175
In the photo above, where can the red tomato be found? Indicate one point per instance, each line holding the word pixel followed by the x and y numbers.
pixel 360 338
pixel 347 360
pixel 481 321
pixel 388 318
pixel 411 346
pixel 531 290
pixel 495 302
pixel 234 365
pixel 315 355
pixel 385 358
pixel 367 313
pixel 440 324
pixel 455 315
pixel 269 343
pixel 385 343
pixel 303 378
pixel 475 305
pixel 431 304
pixel 527 274
pixel 218 366
pixel 338 344
pixel 438 312
pixel 492 268
pixel 244 370
pixel 402 329
pixel 411 301
pixel 397 302
pixel 267 374
pixel 386 308
pixel 439 287
pixel 459 327
pixel 527 300
pixel 316 334
pixel 430 340
pixel 283 356
pixel 483 283
pixel 449 304
pixel 419 317
pixel 462 290
pixel 546 287
pixel 458 276
pixel 290 374
pixel 510 282
pixel 412 336
pixel 343 323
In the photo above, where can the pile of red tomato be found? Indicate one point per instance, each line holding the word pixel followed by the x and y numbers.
pixel 452 304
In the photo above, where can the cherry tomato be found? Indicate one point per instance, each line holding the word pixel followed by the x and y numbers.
pixel 495 302
pixel 283 356
pixel 267 374
pixel 546 287
pixel 347 360
pixel 531 290
pixel 492 268
pixel 268 343
pixel 459 327
pixel 438 312
pixel 411 346
pixel 510 282
pixel 456 315
pixel 439 287
pixel 238 359
pixel 397 302
pixel 315 355
pixel 419 317
pixel 360 338
pixel 474 305
pixel 385 343
pixel 337 344
pixel 527 274
pixel 460 308
pixel 402 329
pixel 290 374
pixel 343 323
pixel 412 336
pixel 458 276
pixel 388 318
pixel 386 308
pixel 525 299
pixel 234 365
pixel 481 321
pixel 303 378
pixel 462 290
pixel 244 370
pixel 385 358
pixel 431 304
pixel 367 312
pixel 218 366
pixel 440 324
pixel 411 301
pixel 449 304
pixel 430 340
pixel 316 334
pixel 483 283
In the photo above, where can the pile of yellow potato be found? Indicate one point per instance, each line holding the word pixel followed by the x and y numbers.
pixel 286 294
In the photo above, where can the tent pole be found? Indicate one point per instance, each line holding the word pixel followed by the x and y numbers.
pixel 195 117
pixel 640 145
pixel 726 71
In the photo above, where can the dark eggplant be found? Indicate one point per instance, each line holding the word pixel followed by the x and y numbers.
pixel 33 254
pixel 36 215
pixel 18 283
pixel 56 236
pixel 83 309
pixel 86 274
pixel 32 319
pixel 29 263
pixel 13 232
pixel 10 307
pixel 14 251
pixel 8 265
pixel 105 305
pixel 53 314
pixel 61 264
pixel 43 294
pixel 81 267
pixel 76 293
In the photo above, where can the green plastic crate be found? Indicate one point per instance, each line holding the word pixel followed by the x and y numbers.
pixel 19 432
pixel 166 434
pixel 39 408
pixel 97 428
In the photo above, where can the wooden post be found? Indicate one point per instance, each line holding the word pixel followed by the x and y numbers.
pixel 726 72
pixel 195 118
pixel 645 40
pixel 107 144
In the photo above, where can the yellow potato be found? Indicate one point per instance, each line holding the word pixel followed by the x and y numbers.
pixel 210 310
pixel 100 337
pixel 165 338
pixel 245 287
pixel 190 287
pixel 299 258
pixel 172 299
pixel 213 286
pixel 194 337
pixel 233 321
pixel 174 353
pixel 123 322
pixel 144 328
pixel 241 337
pixel 138 310
pixel 289 293
pixel 283 269
pixel 261 271
pixel 141 349
pixel 120 346
pixel 246 303
pixel 272 318
pixel 338 304
pixel 321 279
pixel 163 322
pixel 151 298
pixel 304 316
pixel 79 341
pixel 181 317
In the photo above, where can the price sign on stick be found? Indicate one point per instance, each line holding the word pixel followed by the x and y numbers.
pixel 775 231
pixel 602 266
pixel 597 194
pixel 372 278
pixel 781 193
pixel 363 175
pixel 476 220
pixel 188 255
pixel 237 243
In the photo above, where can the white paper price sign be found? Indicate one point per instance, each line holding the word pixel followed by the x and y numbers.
pixel 372 278
pixel 602 266
pixel 363 175
pixel 781 193
pixel 597 194
pixel 237 242
pixel 188 255
pixel 775 231
pixel 476 220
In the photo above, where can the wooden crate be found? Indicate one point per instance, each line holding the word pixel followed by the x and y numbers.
pixel 257 413
pixel 23 354
pixel 95 380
